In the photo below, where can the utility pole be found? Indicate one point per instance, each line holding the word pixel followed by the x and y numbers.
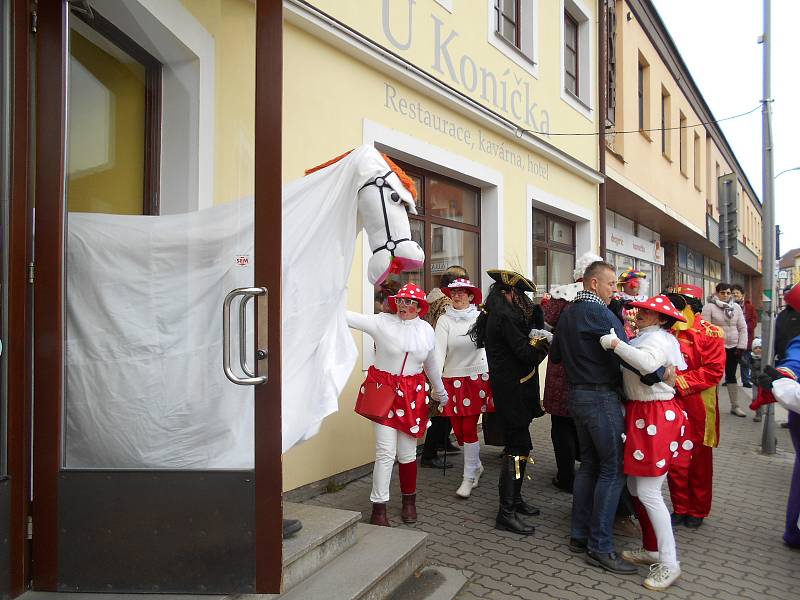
pixel 768 228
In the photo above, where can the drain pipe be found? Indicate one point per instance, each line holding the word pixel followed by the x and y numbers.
pixel 602 114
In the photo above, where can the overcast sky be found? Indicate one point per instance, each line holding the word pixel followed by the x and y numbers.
pixel 718 40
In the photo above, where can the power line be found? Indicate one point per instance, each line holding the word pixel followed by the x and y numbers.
pixel 521 130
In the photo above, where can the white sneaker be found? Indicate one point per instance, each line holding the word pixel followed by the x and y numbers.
pixel 466 487
pixel 477 477
pixel 661 576
pixel 640 556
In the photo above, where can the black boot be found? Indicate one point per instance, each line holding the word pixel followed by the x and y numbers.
pixel 507 519
pixel 520 505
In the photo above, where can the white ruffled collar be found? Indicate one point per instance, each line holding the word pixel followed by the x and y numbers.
pixel 467 314
pixel 669 341
pixel 639 298
pixel 414 335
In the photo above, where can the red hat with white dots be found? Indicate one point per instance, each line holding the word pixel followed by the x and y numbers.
pixel 661 304
pixel 414 292
pixel 462 283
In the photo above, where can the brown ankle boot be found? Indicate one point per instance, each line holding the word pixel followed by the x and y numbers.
pixel 409 512
pixel 379 515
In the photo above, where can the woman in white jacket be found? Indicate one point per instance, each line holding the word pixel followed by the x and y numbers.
pixel 403 349
pixel 465 374
pixel 655 434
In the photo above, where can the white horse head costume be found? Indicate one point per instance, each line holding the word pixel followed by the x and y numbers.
pixel 321 214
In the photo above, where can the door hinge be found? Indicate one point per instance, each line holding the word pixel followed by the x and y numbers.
pixel 30 528
pixel 34 21
pixel 31 272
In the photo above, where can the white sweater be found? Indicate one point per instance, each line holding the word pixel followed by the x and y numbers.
pixel 454 349
pixel 652 348
pixel 394 337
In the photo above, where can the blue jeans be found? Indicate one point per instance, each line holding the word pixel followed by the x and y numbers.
pixel 744 365
pixel 598 483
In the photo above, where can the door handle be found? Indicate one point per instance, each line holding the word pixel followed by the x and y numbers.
pixel 247 293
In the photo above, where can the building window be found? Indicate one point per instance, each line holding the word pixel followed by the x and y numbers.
pixel 683 142
pixel 553 250
pixel 447 226
pixel 643 93
pixel 508 21
pixel 513 30
pixel 571 54
pixel 611 19
pixel 697 161
pixel 666 124
pixel 114 108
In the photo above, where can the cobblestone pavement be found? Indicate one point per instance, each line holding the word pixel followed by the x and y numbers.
pixel 737 553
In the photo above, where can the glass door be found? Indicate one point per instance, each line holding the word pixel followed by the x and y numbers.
pixel 150 457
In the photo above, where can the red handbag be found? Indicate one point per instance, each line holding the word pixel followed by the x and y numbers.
pixel 377 398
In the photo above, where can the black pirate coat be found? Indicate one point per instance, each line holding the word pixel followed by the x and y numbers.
pixel 513 363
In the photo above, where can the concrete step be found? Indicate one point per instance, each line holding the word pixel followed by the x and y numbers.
pixel 375 566
pixel 326 533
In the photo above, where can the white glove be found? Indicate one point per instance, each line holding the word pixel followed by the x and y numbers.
pixel 607 341
pixel 440 397
pixel 541 333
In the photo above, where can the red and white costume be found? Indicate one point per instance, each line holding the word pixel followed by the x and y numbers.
pixel 466 378
pixel 401 346
pixel 465 370
pixel 656 428
pixel 394 337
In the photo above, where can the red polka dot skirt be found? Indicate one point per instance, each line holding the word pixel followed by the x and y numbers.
pixel 656 436
pixel 409 411
pixel 468 396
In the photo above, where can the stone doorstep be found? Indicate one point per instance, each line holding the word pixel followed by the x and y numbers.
pixel 378 563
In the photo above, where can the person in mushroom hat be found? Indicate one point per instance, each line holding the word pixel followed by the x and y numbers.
pixel 703 348
pixel 465 375
pixel 404 346
pixel 655 431
pixel 504 328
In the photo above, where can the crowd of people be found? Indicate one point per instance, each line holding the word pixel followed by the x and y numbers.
pixel 632 387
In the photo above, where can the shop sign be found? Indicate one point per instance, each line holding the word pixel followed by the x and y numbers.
pixel 630 245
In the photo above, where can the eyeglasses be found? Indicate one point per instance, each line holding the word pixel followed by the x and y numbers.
pixel 724 292
pixel 406 302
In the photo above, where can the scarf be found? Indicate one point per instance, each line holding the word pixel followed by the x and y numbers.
pixel 467 314
pixel 727 307
pixel 589 296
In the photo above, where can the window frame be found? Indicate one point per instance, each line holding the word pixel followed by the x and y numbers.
pixel 525 54
pixel 571 22
pixel 683 142
pixel 643 96
pixel 428 220
pixel 549 245
pixel 666 124
pixel 501 17
pixel 151 189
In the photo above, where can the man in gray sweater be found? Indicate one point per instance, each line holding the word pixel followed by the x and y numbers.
pixel 722 311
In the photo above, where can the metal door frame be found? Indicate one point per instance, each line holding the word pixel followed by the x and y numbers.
pixel 48 569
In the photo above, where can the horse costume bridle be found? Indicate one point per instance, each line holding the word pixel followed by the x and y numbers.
pixel 380 183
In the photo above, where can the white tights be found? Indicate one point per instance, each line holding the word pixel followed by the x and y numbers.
pixel 388 444
pixel 648 490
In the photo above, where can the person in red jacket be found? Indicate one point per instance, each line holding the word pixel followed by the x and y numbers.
pixel 703 348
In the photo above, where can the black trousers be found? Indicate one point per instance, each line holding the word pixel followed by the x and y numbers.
pixel 436 436
pixel 565 448
pixel 731 362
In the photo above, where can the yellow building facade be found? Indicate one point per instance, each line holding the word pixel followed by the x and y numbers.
pixel 664 172
pixel 467 97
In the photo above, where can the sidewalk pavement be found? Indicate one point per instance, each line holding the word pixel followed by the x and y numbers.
pixel 737 553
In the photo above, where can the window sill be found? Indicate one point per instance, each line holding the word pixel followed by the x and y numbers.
pixel 576 103
pixel 685 174
pixel 646 135
pixel 515 54
pixel 698 188
pixel 667 157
